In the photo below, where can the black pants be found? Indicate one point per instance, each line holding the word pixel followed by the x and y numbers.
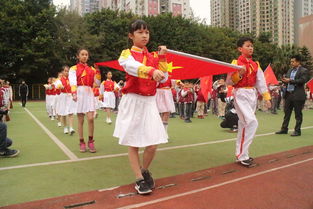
pixel 5 142
pixel 24 99
pixel 188 110
pixel 230 121
pixel 291 104
pixel 274 105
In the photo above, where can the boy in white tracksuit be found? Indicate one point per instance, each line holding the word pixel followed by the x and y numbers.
pixel 247 81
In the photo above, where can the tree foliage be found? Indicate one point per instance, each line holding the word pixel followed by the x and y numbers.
pixel 37 40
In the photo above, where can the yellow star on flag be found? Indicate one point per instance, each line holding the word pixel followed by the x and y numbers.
pixel 170 67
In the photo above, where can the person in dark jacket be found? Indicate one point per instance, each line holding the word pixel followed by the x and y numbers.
pixel 23 92
pixel 295 96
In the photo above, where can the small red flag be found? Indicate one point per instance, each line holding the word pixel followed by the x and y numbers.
pixel 269 75
pixel 206 86
pixel 310 85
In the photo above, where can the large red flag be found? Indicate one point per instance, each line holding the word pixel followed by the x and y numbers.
pixel 187 66
pixel 310 85
pixel 206 86
pixel 269 75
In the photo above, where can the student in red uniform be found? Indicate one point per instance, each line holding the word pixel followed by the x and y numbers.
pixel 188 95
pixel 200 103
pixel 165 101
pixel 138 123
pixel 48 88
pixel 246 82
pixel 82 79
pixel 66 106
pixel 53 98
pixel 57 99
pixel 107 88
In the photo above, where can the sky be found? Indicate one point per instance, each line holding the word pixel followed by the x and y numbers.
pixel 201 8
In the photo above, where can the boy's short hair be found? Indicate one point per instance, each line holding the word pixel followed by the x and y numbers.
pixel 297 57
pixel 242 40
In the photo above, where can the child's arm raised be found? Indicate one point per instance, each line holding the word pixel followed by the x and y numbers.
pixel 135 68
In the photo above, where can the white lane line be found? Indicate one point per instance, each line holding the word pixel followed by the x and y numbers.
pixel 125 154
pixel 68 152
pixel 213 186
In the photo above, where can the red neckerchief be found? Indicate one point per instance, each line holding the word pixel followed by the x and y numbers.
pixel 83 70
pixel 249 63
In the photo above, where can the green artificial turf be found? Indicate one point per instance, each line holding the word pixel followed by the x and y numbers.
pixel 33 183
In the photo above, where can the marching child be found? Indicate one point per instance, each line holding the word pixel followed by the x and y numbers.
pixel 48 88
pixel 57 99
pixel 138 123
pixel 82 79
pixel 165 102
pixel 107 88
pixel 66 106
pixel 246 82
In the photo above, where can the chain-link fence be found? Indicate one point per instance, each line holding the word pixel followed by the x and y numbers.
pixel 36 92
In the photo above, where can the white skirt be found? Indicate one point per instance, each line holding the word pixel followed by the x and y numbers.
pixel 66 105
pixel 138 123
pixel 54 104
pixel 98 103
pixel 165 102
pixel 85 99
pixel 108 99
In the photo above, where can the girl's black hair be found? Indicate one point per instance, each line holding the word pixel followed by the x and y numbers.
pixel 81 49
pixel 64 66
pixel 137 25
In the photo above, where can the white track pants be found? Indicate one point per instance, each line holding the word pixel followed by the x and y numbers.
pixel 245 104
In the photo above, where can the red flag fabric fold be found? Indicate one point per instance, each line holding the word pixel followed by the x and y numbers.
pixel 269 75
pixel 112 64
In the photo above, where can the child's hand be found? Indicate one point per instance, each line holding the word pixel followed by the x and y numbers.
pixel 268 104
pixel 242 71
pixel 75 97
pixel 162 50
pixel 158 75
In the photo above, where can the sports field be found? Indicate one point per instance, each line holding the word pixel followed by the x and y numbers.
pixel 51 165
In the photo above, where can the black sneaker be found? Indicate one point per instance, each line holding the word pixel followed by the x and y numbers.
pixel 188 121
pixel 148 179
pixel 247 163
pixel 142 187
pixel 9 153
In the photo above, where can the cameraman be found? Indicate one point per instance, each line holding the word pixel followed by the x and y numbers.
pixel 5 142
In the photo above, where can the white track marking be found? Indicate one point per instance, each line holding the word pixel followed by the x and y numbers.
pixel 213 186
pixel 66 150
pixel 126 154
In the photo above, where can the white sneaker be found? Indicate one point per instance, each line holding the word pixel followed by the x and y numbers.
pixel 109 121
pixel 59 124
pixel 66 130
pixel 72 131
pixel 52 117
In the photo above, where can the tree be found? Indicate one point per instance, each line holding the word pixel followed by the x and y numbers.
pixel 307 60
